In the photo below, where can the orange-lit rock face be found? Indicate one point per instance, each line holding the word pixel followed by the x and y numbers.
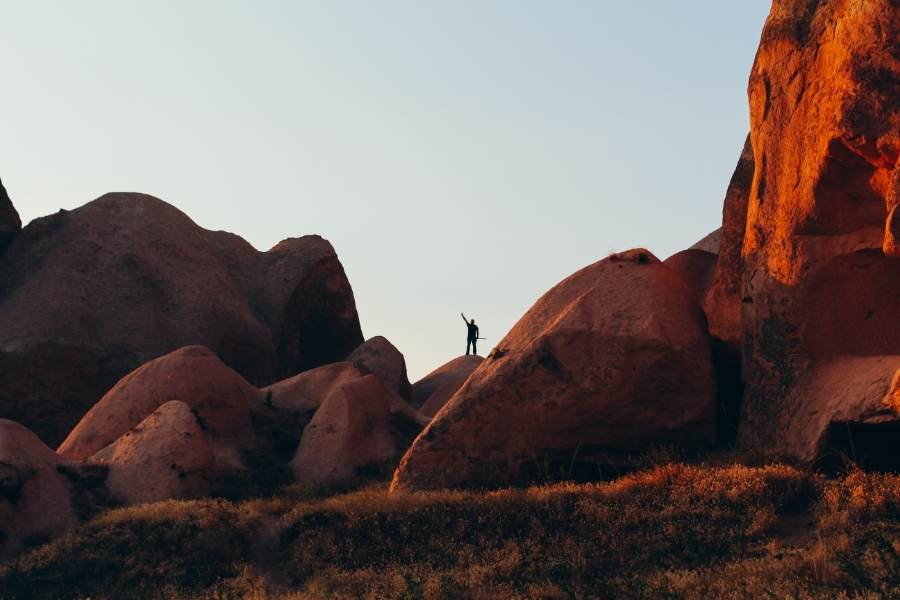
pixel 825 122
pixel 819 289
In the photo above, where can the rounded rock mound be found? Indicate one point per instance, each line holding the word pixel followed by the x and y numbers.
pixel 89 295
pixel 611 360
pixel 194 375
pixel 433 391
pixel 381 358
pixel 165 456
pixel 360 430
pixel 35 499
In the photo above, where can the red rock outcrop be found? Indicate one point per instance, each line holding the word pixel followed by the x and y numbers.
pixel 10 224
pixel 167 455
pixel 722 302
pixel 87 296
pixel 611 360
pixel 381 358
pixel 696 268
pixel 304 393
pixel 820 274
pixel 35 499
pixel 194 375
pixel 433 391
pixel 361 429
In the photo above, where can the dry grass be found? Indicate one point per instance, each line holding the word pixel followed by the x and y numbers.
pixel 673 531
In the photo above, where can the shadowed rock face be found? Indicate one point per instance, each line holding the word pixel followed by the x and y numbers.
pixel 433 391
pixel 820 281
pixel 381 358
pixel 193 375
pixel 361 429
pixel 10 224
pixel 35 499
pixel 87 296
pixel 612 359
pixel 723 299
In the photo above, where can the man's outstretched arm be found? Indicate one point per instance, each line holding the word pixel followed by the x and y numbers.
pixel 464 318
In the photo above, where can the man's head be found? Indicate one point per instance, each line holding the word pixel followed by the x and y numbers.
pixel 473 321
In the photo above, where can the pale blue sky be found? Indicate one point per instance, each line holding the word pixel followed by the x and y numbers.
pixel 460 156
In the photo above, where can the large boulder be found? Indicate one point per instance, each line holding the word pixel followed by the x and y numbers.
pixel 303 393
pixel 167 455
pixel 88 295
pixel 360 430
pixel 381 358
pixel 820 269
pixel 433 391
pixel 612 360
pixel 35 499
pixel 696 268
pixel 194 375
pixel 10 224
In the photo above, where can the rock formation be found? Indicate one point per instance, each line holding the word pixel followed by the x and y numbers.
pixel 819 264
pixel 220 398
pixel 361 429
pixel 35 499
pixel 723 300
pixel 611 360
pixel 381 358
pixel 87 296
pixel 304 393
pixel 10 224
pixel 696 268
pixel 433 391
pixel 167 455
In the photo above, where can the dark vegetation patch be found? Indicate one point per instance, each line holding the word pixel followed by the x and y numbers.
pixel 673 530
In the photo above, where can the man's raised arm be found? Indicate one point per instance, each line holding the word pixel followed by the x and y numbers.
pixel 464 318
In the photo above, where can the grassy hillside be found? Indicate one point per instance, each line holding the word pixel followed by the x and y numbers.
pixel 674 530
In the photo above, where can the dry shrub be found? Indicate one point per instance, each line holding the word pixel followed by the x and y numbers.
pixel 671 531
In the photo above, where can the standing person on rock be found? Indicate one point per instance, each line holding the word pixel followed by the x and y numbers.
pixel 472 339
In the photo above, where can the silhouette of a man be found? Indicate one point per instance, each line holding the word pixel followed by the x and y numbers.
pixel 472 338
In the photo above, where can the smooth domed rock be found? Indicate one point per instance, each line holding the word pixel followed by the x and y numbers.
pixel 433 391
pixel 381 358
pixel 10 224
pixel 194 375
pixel 359 430
pixel 88 295
pixel 35 499
pixel 303 393
pixel 613 359
pixel 165 456
pixel 696 268
pixel 819 279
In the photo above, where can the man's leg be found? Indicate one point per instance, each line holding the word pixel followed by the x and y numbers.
pixel 475 347
pixel 468 343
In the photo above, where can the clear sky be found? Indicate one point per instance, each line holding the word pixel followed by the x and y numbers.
pixel 460 155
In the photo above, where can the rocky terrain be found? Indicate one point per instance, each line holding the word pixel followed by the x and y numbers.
pixel 724 422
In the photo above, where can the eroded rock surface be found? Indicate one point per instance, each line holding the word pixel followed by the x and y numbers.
pixel 820 276
pixel 219 396
pixel 165 456
pixel 614 358
pixel 88 295
pixel 35 499
pixel 433 391
pixel 360 430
